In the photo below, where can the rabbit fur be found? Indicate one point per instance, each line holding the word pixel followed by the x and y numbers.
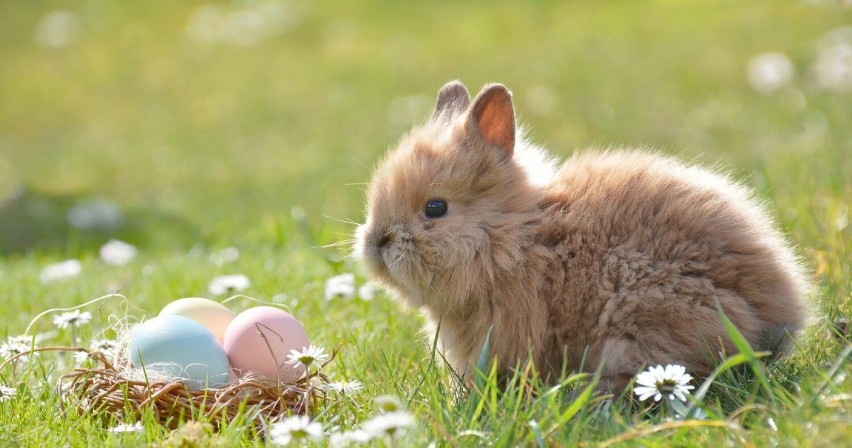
pixel 617 260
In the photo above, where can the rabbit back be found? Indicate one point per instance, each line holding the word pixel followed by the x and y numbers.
pixel 644 248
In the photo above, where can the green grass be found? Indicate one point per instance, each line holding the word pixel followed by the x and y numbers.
pixel 210 145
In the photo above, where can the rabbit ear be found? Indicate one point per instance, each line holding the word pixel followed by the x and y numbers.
pixel 493 118
pixel 453 98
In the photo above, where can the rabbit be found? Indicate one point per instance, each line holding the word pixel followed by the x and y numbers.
pixel 616 261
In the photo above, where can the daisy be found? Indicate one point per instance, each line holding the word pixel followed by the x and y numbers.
pixel 351 437
pixel 11 348
pixel 342 285
pixel 117 253
pixel 127 427
pixel 670 381
pixel 60 271
pixel 24 339
pixel 16 345
pixel 72 319
pixel 833 65
pixel 108 347
pixel 769 72
pixel 295 429
pixel 58 29
pixel 225 255
pixel 228 284
pixel 307 356
pixel 345 388
pixel 390 423
pixel 7 393
pixel 388 403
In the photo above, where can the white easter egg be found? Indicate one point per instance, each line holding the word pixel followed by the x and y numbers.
pixel 180 349
pixel 213 315
pixel 259 340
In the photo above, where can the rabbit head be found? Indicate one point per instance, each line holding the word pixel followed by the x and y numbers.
pixel 449 209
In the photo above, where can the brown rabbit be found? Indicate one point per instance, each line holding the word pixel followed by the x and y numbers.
pixel 617 260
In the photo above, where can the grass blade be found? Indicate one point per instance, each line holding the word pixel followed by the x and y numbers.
pixel 481 378
pixel 698 396
pixel 830 376
pixel 576 405
pixel 482 363
pixel 483 354
pixel 745 349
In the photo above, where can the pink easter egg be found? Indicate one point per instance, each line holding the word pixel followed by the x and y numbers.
pixel 259 339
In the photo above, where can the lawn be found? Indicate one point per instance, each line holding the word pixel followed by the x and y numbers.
pixel 187 129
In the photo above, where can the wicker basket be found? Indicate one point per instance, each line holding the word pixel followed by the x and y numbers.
pixel 109 391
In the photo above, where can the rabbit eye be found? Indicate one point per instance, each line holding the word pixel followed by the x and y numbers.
pixel 435 208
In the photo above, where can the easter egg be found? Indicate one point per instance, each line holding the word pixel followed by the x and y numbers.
pixel 212 315
pixel 181 349
pixel 259 340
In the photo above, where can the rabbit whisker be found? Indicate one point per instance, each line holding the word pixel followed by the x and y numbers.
pixel 338 244
pixel 344 221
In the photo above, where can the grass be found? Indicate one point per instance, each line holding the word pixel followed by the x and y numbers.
pixel 266 147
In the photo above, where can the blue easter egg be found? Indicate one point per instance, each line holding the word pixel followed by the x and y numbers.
pixel 181 349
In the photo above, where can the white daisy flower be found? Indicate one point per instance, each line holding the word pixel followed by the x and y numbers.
pixel 308 356
pixel 58 29
pixel 390 424
pixel 342 285
pixel 109 347
pixel 769 72
pixel 7 393
pixel 347 387
pixel 388 403
pixel 225 255
pixel 117 253
pixel 25 339
pixel 351 437
pixel 228 284
pixel 11 348
pixel 127 427
pixel 670 381
pixel 60 271
pixel 72 319
pixel 295 429
pixel 833 67
pixel 367 291
pixel 16 345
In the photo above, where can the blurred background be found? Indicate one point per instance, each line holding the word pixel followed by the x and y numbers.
pixel 171 124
